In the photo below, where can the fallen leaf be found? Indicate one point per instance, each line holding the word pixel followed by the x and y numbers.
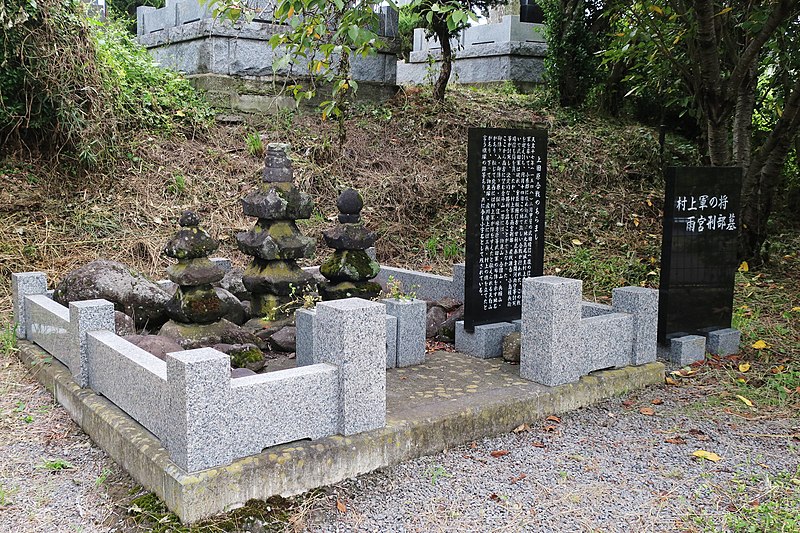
pixel 657 401
pixel 795 309
pixel 341 506
pixel 628 403
pixel 538 445
pixel 670 381
pixel 576 242
pixel 759 345
pixel 498 453
pixel 473 445
pixel 703 454
pixel 796 481
pixel 744 367
pixel 636 222
pixel 649 203
pixel 494 497
pixel 747 402
pixel 777 369
pixel 675 440
pixel 647 411
pixel 553 418
pixel 520 477
pixel 744 267
pixel 549 428
pixel 521 428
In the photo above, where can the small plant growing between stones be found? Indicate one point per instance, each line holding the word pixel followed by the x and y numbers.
pixel 436 472
pixel 177 184
pixel 54 465
pixel 255 146
pixel 8 339
pixel 102 477
pixel 306 298
pixel 394 290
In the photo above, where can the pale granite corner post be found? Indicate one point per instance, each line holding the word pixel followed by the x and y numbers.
pixel 199 385
pixel 86 316
pixel 304 345
pixel 22 285
pixel 351 335
pixel 551 313
pixel 411 316
pixel 643 305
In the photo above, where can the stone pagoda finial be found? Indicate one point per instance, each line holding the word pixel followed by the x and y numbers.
pixel 274 242
pixel 195 301
pixel 350 269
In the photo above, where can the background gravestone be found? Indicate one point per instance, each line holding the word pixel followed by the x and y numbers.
pixel 506 178
pixel 698 250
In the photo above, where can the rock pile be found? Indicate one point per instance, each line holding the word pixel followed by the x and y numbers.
pixel 350 269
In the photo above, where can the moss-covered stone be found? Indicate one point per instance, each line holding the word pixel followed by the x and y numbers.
pixel 189 243
pixel 193 272
pixel 199 305
pixel 274 240
pixel 275 277
pixel 278 201
pixel 349 289
pixel 349 265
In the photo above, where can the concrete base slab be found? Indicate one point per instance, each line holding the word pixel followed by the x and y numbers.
pixel 448 400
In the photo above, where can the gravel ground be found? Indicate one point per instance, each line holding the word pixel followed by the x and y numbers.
pixel 605 468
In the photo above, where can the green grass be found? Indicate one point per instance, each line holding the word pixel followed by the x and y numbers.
pixel 54 465
pixel 8 339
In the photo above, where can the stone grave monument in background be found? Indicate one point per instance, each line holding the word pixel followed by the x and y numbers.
pixel 699 262
pixel 506 184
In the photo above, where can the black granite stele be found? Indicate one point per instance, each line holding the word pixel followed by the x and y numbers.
pixel 698 250
pixel 506 183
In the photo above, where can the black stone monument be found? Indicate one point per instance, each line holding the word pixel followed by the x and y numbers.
pixel 698 250
pixel 506 177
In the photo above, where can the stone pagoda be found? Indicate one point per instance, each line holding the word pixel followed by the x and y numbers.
pixel 273 277
pixel 350 269
pixel 195 301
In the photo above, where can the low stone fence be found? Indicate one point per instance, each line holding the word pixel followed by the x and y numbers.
pixel 202 417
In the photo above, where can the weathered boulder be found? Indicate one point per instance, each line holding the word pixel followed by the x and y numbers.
pixel 191 336
pixel 233 309
pixel 123 324
pixel 243 355
pixel 128 290
pixel 284 339
pixel 232 282
pixel 434 321
pixel 155 344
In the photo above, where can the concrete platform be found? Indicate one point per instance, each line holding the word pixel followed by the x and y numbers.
pixel 446 401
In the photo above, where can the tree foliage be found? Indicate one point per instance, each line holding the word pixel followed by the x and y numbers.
pixel 733 65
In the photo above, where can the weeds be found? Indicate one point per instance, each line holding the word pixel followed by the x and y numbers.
pixel 8 339
pixel 54 465
pixel 254 143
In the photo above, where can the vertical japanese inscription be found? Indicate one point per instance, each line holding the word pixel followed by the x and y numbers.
pixel 506 180
pixel 698 250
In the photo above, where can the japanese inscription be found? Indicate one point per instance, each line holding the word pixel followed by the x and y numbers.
pixel 506 179
pixel 698 253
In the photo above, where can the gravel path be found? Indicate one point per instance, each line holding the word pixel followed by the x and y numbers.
pixel 605 468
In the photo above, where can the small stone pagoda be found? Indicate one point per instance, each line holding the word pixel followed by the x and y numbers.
pixel 350 269
pixel 195 301
pixel 273 277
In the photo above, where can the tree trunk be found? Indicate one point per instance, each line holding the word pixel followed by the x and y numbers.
pixel 440 86
pixel 763 177
pixel 743 119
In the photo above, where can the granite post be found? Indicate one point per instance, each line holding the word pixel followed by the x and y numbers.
pixel 411 316
pixel 22 285
pixel 199 383
pixel 551 313
pixel 351 335
pixel 86 316
pixel 642 303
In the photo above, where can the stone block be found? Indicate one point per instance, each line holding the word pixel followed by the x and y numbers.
pixel 86 316
pixel 141 19
pixel 222 262
pixel 351 335
pixel 47 324
pixel 199 386
pixel 423 285
pixel 22 285
pixel 487 340
pixel 283 406
pixel 391 341
pixel 551 312
pixel 133 379
pixel 191 11
pixel 517 325
pixel 459 281
pixel 590 309
pixel 304 344
pixel 643 305
pixel 605 342
pixel 723 341
pixel 687 349
pixel 411 315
